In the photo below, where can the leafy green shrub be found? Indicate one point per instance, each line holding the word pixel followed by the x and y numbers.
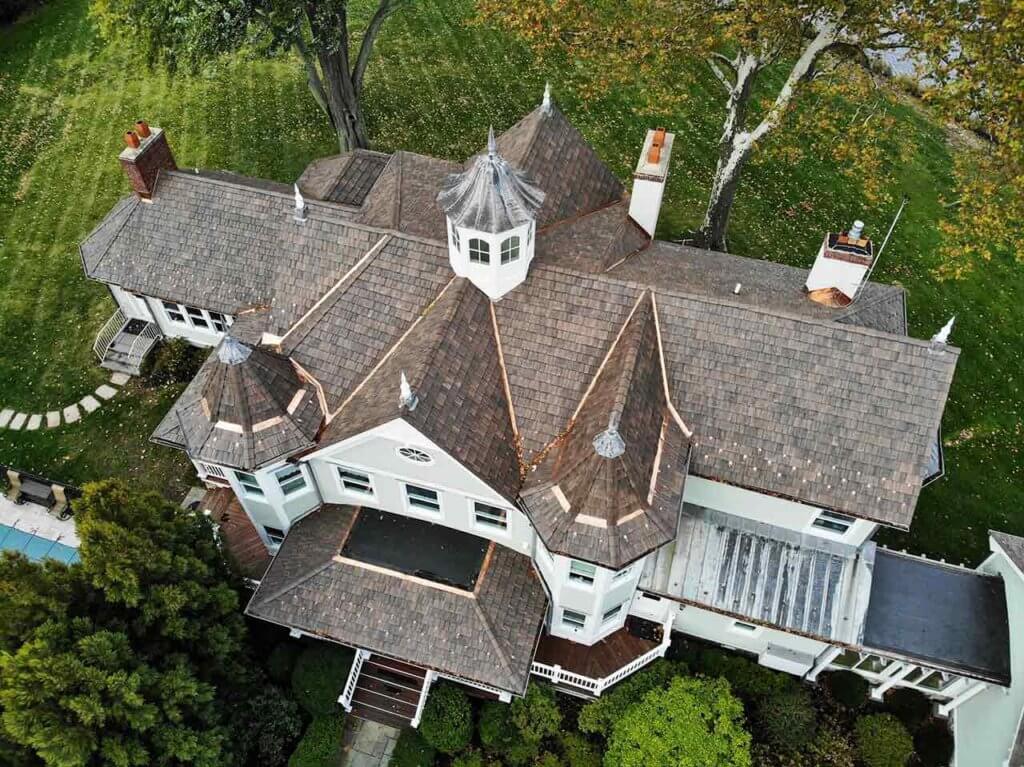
pixel 319 676
pixel 281 661
pixel 547 759
pixel 787 719
pixel 599 716
pixel 174 360
pixel 830 748
pixel 847 688
pixel 412 751
pixel 321 745
pixel 933 743
pixel 536 715
pixel 882 741
pixel 495 727
pixel 447 722
pixel 909 706
pixel 268 725
pixel 578 751
pixel 747 678
pixel 469 759
pixel 691 723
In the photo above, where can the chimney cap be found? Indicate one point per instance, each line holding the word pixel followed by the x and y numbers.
pixel 142 128
pixel 131 139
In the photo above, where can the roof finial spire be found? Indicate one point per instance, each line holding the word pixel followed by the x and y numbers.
pixel 407 397
pixel 492 144
pixel 609 443
pixel 545 105
pixel 300 205
pixel 942 337
pixel 232 351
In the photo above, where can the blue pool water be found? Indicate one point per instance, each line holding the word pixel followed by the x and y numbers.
pixel 34 547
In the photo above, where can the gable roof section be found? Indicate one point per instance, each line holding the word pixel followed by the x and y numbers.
pixel 223 246
pixel 558 158
pixel 451 360
pixel 487 635
pixel 344 178
pixel 404 197
pixel 594 242
pixel 834 415
pixel 597 501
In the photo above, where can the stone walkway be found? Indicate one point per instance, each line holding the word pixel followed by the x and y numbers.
pixel 16 421
pixel 367 744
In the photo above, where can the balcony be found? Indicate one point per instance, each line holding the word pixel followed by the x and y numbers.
pixel 589 671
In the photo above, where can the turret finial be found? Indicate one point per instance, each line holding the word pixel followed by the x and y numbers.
pixel 545 105
pixel 492 144
pixel 942 337
pixel 407 397
pixel 300 205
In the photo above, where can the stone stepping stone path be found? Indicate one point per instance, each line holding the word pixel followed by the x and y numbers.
pixel 15 420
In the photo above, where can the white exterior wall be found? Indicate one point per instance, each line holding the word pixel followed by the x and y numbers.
pixel 769 509
pixel 375 453
pixel 171 329
pixel 833 273
pixel 493 278
pixel 985 726
pixel 592 600
pixel 133 306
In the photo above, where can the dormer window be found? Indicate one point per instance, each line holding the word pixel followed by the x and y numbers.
pixel 455 238
pixel 479 251
pixel 510 249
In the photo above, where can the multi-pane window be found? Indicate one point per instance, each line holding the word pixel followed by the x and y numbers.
pixel 455 237
pixel 196 317
pixel 220 322
pixel 510 249
pixel 274 535
pixel 581 572
pixel 290 479
pixel 355 481
pixel 249 484
pixel 622 573
pixel 574 619
pixel 834 522
pixel 174 312
pixel 423 498
pixel 490 515
pixel 612 613
pixel 479 251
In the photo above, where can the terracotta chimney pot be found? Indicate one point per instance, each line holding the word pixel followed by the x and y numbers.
pixel 654 155
pixel 131 139
pixel 142 128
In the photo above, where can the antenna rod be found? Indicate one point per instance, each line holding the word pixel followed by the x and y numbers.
pixel 896 218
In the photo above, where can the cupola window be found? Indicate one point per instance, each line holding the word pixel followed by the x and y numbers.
pixel 455 238
pixel 510 249
pixel 479 251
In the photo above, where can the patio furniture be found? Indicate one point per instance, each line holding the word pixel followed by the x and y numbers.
pixel 36 492
pixel 15 481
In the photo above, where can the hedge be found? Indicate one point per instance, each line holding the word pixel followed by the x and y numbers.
pixel 787 720
pixel 447 722
pixel 321 745
pixel 412 751
pixel 319 677
pixel 883 741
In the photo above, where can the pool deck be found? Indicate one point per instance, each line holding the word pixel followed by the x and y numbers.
pixel 30 518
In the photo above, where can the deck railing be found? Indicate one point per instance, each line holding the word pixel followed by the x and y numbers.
pixel 108 333
pixel 595 687
pixel 143 343
pixel 428 680
pixel 345 699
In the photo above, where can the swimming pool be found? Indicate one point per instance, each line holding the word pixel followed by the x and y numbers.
pixel 34 547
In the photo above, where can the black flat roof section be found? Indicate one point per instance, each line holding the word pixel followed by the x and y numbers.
pixel 416 547
pixel 934 613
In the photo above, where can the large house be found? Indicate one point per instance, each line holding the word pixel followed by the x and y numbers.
pixel 490 428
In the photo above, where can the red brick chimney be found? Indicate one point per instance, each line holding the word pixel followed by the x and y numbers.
pixel 146 153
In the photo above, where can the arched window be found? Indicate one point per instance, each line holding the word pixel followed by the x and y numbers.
pixel 510 249
pixel 455 238
pixel 479 251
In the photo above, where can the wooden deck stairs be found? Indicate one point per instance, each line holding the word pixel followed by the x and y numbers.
pixel 386 691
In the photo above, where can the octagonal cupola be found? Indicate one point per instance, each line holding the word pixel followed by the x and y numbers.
pixel 492 219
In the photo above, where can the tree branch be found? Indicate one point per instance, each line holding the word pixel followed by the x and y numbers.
pixel 384 9
pixel 720 75
pixel 316 85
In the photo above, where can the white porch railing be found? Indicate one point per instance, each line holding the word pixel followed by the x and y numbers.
pixel 503 695
pixel 108 333
pixel 345 699
pixel 428 681
pixel 595 687
pixel 143 343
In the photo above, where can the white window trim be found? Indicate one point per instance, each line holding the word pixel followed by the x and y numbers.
pixel 828 532
pixel 574 626
pixel 746 628
pixel 618 576
pixel 245 490
pixel 300 476
pixel 270 538
pixel 182 309
pixel 338 468
pixel 607 619
pixel 489 526
pixel 428 513
pixel 419 450
pixel 580 582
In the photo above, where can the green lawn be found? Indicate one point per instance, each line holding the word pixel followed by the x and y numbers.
pixel 433 87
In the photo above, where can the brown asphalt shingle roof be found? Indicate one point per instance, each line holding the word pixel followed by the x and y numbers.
pixel 487 635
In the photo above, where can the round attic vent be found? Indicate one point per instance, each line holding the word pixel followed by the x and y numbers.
pixel 415 455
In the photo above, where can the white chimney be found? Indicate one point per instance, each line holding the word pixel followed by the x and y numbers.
pixel 843 263
pixel 649 179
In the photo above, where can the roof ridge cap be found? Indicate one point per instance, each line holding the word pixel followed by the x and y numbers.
pixel 129 201
pixel 493 636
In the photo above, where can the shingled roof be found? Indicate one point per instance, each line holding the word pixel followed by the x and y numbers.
pixel 246 408
pixel 486 635
pixel 830 406
pixel 609 489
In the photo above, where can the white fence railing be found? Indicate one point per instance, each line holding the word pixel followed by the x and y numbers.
pixel 108 333
pixel 345 699
pixel 595 687
pixel 428 680
pixel 143 343
pixel 503 695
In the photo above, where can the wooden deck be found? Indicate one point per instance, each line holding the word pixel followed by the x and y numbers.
pixel 601 659
pixel 244 545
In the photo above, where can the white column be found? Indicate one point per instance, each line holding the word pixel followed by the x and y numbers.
pixel 946 708
pixel 824 661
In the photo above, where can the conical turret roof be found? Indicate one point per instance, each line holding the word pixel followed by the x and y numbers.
pixel 491 195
